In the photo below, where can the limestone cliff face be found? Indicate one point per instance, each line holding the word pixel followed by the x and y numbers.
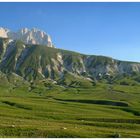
pixel 28 36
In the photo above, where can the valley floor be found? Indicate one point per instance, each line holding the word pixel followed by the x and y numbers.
pixel 100 111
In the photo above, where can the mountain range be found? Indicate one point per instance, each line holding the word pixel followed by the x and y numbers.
pixel 46 92
pixel 30 54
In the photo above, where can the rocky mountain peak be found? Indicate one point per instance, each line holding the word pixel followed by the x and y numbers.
pixel 3 32
pixel 28 36
pixel 24 30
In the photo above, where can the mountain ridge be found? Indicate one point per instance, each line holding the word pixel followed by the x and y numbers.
pixel 34 62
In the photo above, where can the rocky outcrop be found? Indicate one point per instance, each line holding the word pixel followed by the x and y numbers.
pixel 28 36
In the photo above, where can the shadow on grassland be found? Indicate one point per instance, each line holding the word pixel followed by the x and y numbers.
pixel 16 105
pixel 99 102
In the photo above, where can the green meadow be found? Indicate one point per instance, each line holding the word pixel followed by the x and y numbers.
pixel 48 110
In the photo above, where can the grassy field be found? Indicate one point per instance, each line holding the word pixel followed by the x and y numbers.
pixel 51 111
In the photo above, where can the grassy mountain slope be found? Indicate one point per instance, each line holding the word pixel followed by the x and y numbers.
pixel 40 62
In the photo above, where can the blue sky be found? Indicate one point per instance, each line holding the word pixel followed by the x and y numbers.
pixel 110 29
